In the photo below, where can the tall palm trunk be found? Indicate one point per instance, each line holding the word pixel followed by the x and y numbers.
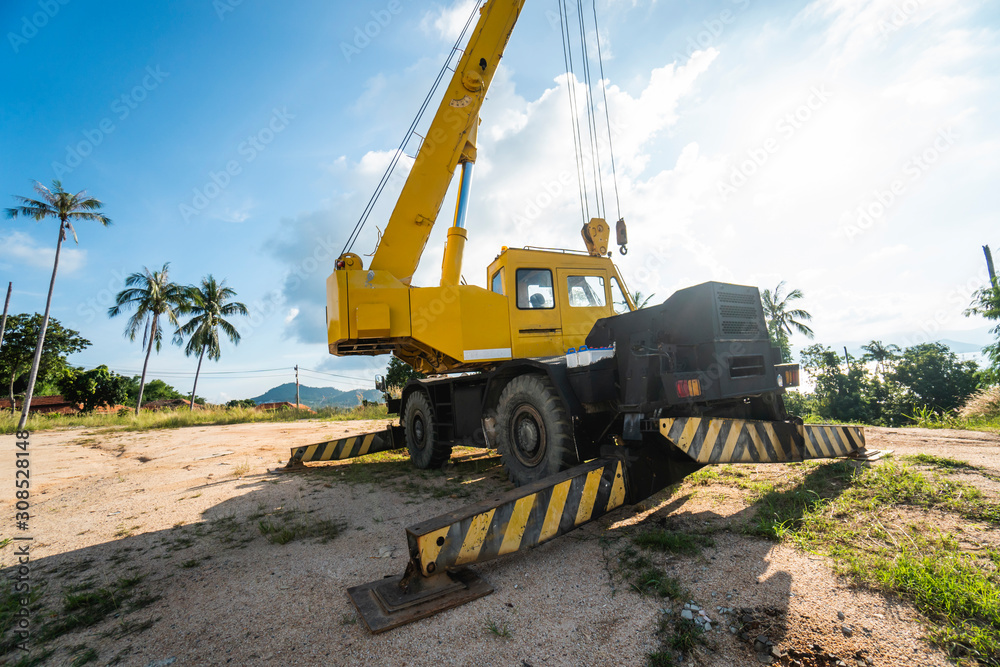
pixel 195 387
pixel 41 333
pixel 13 404
pixel 6 307
pixel 149 351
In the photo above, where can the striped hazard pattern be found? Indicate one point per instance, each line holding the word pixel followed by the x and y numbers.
pixel 711 440
pixel 714 440
pixel 832 441
pixel 344 448
pixel 520 519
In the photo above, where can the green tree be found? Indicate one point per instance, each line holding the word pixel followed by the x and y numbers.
pixel 934 377
pixel 92 388
pixel 782 319
pixel 211 304
pixel 66 207
pixel 399 373
pixel 18 350
pixel 986 302
pixel 152 296
pixel 241 403
pixel 883 355
pixel 839 395
pixel 155 390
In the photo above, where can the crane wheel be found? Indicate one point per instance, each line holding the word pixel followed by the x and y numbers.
pixel 534 434
pixel 426 450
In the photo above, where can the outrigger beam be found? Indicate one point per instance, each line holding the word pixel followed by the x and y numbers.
pixel 526 517
pixel 436 577
pixel 345 448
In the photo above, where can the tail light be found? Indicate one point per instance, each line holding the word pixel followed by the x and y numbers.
pixel 688 388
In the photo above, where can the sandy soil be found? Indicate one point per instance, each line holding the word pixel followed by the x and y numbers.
pixel 182 507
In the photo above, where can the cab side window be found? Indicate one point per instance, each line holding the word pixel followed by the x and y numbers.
pixel 586 291
pixel 496 285
pixel 618 298
pixel 534 289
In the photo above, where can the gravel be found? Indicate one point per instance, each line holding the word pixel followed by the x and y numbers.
pixel 286 604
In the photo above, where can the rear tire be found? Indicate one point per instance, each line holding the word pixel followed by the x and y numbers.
pixel 534 433
pixel 426 451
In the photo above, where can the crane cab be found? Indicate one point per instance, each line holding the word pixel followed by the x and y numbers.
pixel 554 297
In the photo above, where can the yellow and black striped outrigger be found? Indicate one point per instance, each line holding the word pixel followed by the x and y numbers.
pixel 716 440
pixel 344 448
pixel 526 517
pixel 436 577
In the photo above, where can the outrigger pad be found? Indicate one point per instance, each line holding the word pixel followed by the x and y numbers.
pixel 384 605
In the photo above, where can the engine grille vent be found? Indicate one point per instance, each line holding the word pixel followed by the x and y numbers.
pixel 736 297
pixel 740 328
pixel 739 314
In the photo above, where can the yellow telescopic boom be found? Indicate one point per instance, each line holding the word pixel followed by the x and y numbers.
pixel 449 141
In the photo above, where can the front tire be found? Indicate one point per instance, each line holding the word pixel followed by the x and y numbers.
pixel 426 451
pixel 534 433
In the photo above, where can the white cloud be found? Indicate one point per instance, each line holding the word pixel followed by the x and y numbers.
pixel 696 120
pixel 20 248
pixel 236 215
pixel 447 21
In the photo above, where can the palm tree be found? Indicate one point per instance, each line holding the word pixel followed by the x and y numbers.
pixel 209 305
pixel 782 320
pixel 152 295
pixel 641 300
pixel 882 355
pixel 54 203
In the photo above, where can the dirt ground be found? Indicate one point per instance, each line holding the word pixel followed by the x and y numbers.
pixel 184 509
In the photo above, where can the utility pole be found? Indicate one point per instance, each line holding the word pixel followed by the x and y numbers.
pixel 6 306
pixel 296 386
pixel 989 265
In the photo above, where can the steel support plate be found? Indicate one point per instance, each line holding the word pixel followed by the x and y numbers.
pixel 384 606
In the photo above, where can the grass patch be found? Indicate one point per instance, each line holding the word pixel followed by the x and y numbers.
pixel 215 416
pixel 686 635
pixel 647 579
pixel 283 526
pixel 84 606
pixel 499 629
pixel 780 509
pixel 82 655
pixel 34 658
pixel 241 470
pixel 10 606
pixel 673 542
pixel 679 637
pixel 851 512
pixel 660 659
pixel 129 627
pixel 942 463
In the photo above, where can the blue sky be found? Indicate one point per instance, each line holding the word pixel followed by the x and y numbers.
pixel 846 146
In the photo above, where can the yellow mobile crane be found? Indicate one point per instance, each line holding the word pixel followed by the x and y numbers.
pixel 652 395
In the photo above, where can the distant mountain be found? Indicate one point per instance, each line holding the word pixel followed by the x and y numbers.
pixel 317 397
